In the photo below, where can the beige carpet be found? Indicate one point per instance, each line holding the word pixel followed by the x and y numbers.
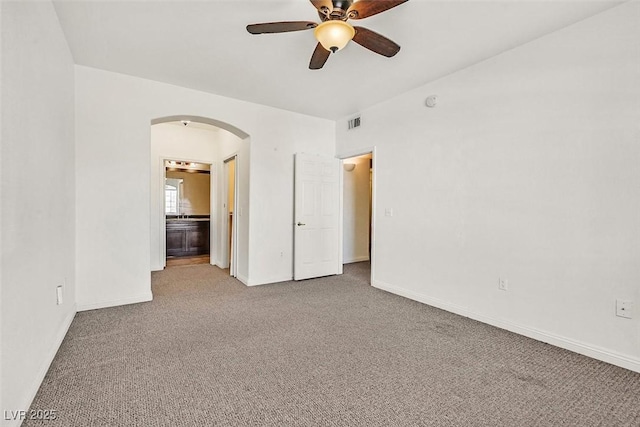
pixel 329 352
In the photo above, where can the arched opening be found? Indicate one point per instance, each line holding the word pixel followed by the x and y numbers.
pixel 181 144
pixel 203 120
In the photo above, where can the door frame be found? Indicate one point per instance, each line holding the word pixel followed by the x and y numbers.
pixel 212 207
pixel 225 232
pixel 347 155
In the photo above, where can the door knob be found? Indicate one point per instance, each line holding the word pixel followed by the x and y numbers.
pixel 299 224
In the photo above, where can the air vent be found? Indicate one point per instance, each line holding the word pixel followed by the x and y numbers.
pixel 354 123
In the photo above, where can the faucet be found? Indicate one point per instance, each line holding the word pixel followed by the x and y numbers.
pixel 181 210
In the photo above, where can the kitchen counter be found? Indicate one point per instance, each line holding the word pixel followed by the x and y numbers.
pixel 187 219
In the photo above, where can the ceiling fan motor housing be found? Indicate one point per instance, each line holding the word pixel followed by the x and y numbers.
pixel 342 4
pixel 339 11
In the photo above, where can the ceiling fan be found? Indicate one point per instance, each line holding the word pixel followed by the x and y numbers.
pixel 333 33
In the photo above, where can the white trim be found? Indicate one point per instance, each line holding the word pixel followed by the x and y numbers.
pixel 269 281
pixel 230 262
pixel 162 232
pixel 206 120
pixel 145 297
pixel 357 259
pixel 355 153
pixel 213 213
pixel 341 220
pixel 162 247
pixel 374 197
pixel 223 257
pixel 272 280
pixel 594 352
pixel 44 368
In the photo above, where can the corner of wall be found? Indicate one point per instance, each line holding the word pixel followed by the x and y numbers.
pixel 144 297
pixel 243 279
pixel 48 357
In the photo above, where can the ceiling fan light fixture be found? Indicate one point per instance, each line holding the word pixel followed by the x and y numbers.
pixel 334 35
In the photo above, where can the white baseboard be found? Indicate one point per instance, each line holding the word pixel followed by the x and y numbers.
pixel 146 297
pixel 44 368
pixel 594 352
pixel 157 267
pixel 268 281
pixel 245 281
pixel 356 259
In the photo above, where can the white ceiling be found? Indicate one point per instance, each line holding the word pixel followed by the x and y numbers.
pixel 204 45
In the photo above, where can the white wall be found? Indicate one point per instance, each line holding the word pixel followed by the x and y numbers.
pixel 355 217
pixel 169 141
pixel 2 407
pixel 37 224
pixel 228 146
pixel 527 169
pixel 114 112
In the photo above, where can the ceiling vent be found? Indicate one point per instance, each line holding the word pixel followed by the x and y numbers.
pixel 354 123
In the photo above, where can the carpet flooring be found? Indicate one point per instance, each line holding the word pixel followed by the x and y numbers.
pixel 333 351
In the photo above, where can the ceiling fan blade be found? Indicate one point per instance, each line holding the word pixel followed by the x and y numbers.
pixel 319 57
pixel 366 8
pixel 280 27
pixel 324 6
pixel 375 42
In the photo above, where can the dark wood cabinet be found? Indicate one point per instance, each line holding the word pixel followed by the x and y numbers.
pixel 187 237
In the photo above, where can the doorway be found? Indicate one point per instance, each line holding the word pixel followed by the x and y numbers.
pixel 201 139
pixel 230 226
pixel 357 209
pixel 187 210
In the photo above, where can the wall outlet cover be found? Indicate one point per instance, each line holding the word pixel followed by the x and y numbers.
pixel 624 308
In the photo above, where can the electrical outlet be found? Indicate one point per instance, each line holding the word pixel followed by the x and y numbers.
pixel 503 284
pixel 59 295
pixel 624 308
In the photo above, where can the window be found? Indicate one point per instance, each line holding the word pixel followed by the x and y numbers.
pixel 172 196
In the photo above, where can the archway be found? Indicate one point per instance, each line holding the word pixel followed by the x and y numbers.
pixel 191 138
pixel 204 120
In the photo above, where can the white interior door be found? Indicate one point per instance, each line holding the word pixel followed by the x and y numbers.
pixel 316 216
